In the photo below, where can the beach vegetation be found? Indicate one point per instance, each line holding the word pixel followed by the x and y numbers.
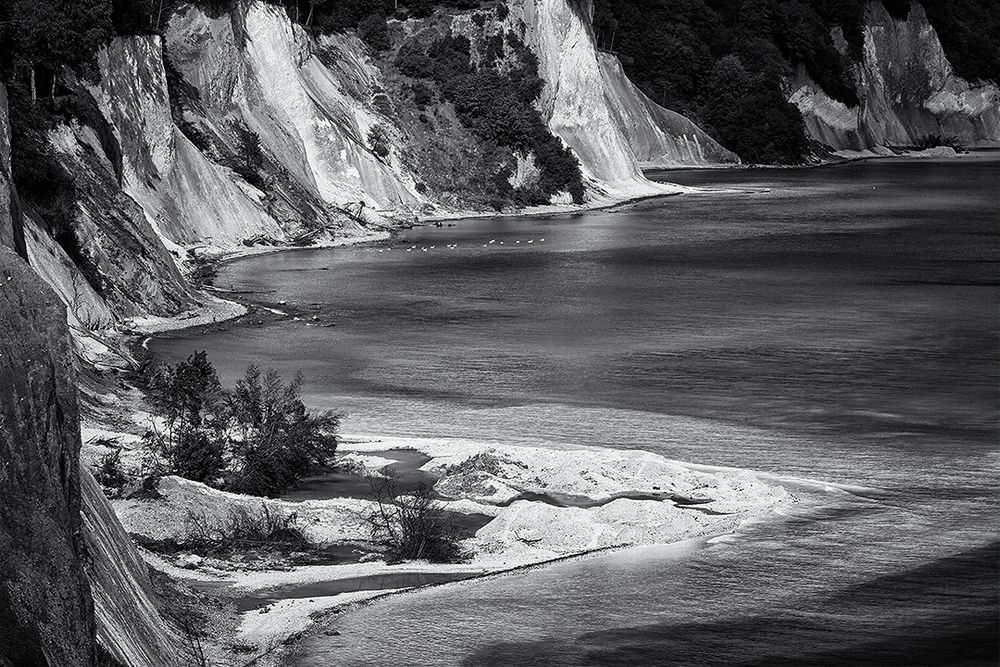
pixel 258 438
pixel 273 440
pixel 260 526
pixel 412 526
pixel 939 140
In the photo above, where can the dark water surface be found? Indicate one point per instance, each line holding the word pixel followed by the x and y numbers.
pixel 841 326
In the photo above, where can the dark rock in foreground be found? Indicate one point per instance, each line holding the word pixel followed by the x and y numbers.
pixel 46 609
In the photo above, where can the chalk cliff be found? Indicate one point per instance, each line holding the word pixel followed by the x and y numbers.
pixel 908 91
pixel 596 111
pixel 240 127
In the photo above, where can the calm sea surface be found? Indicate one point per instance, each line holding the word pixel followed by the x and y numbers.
pixel 838 324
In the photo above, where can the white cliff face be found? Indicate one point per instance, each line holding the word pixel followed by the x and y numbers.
pixel 256 65
pixel 908 92
pixel 188 198
pixel 137 273
pixel 658 137
pixel 148 192
pixel 574 101
pixel 85 309
pixel 591 105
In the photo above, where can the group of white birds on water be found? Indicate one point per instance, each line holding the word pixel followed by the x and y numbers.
pixel 452 246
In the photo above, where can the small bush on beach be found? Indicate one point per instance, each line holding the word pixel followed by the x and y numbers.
pixel 258 439
pixel 190 402
pixel 110 473
pixel 412 527
pixel 262 526
pixel 938 141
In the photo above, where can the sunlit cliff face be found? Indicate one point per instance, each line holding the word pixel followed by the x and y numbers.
pixel 908 92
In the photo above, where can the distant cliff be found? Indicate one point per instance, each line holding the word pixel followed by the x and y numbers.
pixel 238 126
pixel 613 128
pixel 787 81
pixel 909 93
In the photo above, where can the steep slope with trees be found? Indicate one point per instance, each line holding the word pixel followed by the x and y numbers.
pixel 733 65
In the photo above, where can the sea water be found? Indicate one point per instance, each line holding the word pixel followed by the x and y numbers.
pixel 838 324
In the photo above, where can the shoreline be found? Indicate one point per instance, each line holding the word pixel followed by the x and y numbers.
pixel 222 256
pixel 300 612
pixel 223 306
pixel 521 536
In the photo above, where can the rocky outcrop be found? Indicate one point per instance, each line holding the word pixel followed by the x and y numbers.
pixel 69 572
pixel 908 91
pixel 11 232
pixel 6 222
pixel 46 610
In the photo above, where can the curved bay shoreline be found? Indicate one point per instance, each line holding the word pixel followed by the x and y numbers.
pixel 278 627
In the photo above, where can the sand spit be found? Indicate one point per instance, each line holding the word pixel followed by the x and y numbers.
pixel 546 505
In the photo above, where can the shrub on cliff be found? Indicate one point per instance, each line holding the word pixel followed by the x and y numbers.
pixel 110 473
pixel 378 140
pixel 497 105
pixel 249 157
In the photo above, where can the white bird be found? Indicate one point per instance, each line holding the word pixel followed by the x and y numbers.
pixel 424 249
pixel 409 250
pixel 501 243
pixel 432 247
pixel 531 241
pixel 485 244
pixel 543 238
pixel 516 241
pixel 493 241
